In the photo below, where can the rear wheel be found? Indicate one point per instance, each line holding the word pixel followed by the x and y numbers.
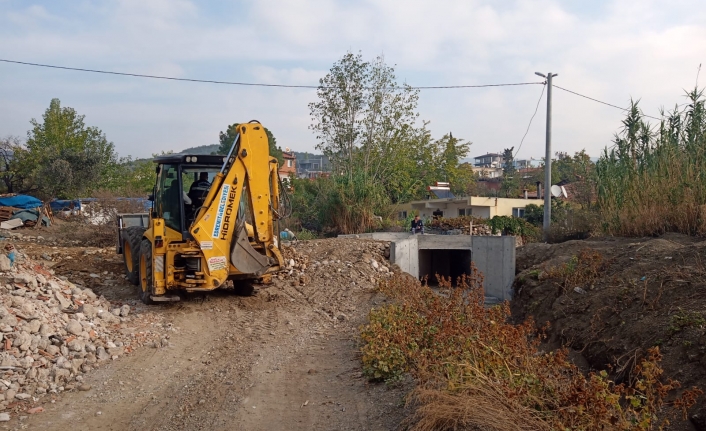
pixel 243 287
pixel 131 252
pixel 146 288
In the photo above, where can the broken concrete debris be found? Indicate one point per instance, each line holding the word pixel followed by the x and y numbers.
pixel 52 331
pixel 11 224
pixel 347 263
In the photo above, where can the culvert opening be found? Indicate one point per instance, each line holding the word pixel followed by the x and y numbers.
pixel 449 263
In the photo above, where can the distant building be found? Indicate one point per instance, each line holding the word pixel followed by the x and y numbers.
pixel 476 206
pixel 289 168
pixel 484 172
pixel 528 163
pixel 490 160
pixel 442 203
pixel 312 166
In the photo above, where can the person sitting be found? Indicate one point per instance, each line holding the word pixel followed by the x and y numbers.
pixel 417 225
pixel 199 190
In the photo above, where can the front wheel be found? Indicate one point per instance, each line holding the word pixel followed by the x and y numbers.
pixel 146 286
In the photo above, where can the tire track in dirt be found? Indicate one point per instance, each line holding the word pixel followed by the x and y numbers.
pixel 229 353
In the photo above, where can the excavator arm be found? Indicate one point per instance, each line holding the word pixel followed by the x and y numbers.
pixel 220 227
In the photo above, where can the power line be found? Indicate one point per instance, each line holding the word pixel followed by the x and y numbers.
pixel 250 84
pixel 602 102
pixel 530 121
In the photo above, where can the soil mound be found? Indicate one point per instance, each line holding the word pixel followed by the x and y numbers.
pixel 611 299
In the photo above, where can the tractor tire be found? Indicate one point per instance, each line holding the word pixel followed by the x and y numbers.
pixel 243 287
pixel 146 286
pixel 131 253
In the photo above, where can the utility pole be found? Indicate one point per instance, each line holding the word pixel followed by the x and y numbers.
pixel 548 158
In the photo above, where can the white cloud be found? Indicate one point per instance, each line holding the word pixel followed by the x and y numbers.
pixel 610 50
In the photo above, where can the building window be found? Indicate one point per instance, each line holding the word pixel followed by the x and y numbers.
pixel 289 163
pixel 461 212
pixel 403 215
pixel 518 212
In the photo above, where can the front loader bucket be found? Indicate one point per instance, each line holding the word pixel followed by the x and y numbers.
pixel 245 258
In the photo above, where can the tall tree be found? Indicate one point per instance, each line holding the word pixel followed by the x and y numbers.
pixel 511 183
pixel 579 170
pixel 572 168
pixel 12 172
pixel 364 122
pixel 66 158
pixel 363 117
pixel 226 141
pixel 451 151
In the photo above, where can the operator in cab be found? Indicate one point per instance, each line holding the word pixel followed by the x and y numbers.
pixel 199 190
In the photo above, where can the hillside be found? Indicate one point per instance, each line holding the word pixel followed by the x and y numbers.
pixel 201 149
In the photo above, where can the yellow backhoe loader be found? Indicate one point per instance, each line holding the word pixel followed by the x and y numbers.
pixel 213 219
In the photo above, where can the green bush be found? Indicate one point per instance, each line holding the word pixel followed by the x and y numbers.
pixel 508 225
pixel 305 234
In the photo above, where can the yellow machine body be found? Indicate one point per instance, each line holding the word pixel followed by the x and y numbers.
pixel 231 236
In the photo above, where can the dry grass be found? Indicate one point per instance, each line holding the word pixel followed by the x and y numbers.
pixel 481 407
pixel 476 371
pixel 581 269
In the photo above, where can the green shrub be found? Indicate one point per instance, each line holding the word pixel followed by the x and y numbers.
pixel 305 235
pixel 508 225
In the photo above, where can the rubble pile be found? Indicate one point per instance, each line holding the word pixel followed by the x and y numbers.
pixel 52 331
pixel 359 262
pixel 459 226
pixel 326 273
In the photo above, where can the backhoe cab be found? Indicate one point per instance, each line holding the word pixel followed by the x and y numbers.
pixel 212 220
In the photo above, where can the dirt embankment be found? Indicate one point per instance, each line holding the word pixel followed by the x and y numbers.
pixel 619 298
pixel 285 357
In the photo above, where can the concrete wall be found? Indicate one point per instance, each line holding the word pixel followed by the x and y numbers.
pixel 501 206
pixel 494 256
pixel 405 254
pixel 445 242
pixel 483 212
pixel 417 255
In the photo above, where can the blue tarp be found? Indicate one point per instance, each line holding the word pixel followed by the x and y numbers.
pixel 58 205
pixel 29 215
pixel 21 201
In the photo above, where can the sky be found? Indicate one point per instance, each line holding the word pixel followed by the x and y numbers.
pixel 609 50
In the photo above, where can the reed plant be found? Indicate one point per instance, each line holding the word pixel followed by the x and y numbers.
pixel 653 179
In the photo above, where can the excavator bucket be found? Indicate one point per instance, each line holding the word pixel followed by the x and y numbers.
pixel 245 258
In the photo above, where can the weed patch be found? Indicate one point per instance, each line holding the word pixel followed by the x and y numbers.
pixel 686 319
pixel 584 268
pixel 306 234
pixel 475 370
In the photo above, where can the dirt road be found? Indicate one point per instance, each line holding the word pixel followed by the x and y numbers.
pixel 283 358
